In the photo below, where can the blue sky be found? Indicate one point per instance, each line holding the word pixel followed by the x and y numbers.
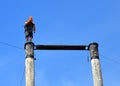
pixel 72 22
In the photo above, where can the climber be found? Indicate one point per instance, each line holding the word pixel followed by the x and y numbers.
pixel 29 28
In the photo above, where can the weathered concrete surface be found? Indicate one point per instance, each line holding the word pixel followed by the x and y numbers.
pixel 29 63
pixel 96 68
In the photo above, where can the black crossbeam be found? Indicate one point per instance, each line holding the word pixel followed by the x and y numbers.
pixel 61 47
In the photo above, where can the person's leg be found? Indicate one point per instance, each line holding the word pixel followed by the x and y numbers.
pixel 26 39
pixel 26 35
pixel 30 39
pixel 31 36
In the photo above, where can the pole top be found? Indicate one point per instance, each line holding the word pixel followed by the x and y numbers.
pixel 93 48
pixel 94 43
pixel 28 43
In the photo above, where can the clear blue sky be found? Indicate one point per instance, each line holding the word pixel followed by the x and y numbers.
pixel 72 22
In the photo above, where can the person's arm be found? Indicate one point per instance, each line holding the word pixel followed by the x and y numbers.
pixel 27 22
pixel 34 28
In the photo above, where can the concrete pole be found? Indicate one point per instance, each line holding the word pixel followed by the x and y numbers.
pixel 30 80
pixel 96 68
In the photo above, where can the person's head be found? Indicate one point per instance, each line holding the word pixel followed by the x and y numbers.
pixel 30 19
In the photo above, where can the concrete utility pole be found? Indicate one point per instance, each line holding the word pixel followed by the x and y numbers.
pixel 30 80
pixel 96 69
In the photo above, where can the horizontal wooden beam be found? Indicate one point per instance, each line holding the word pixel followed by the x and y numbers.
pixel 60 47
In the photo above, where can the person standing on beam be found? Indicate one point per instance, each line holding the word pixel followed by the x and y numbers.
pixel 29 28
